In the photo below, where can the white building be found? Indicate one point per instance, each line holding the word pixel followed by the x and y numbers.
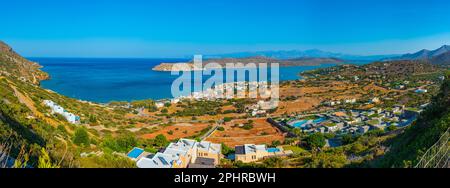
pixel 159 104
pixel 375 100
pixel 71 118
pixel 350 101
pixel 181 154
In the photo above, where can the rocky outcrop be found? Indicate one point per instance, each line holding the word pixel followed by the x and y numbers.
pixel 14 65
pixel 242 62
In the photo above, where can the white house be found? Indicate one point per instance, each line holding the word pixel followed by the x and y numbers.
pixel 181 154
pixel 159 104
pixel 71 118
pixel 375 100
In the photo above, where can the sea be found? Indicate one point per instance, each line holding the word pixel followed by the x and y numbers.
pixel 103 80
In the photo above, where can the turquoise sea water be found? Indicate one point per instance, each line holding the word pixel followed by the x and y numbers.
pixel 104 80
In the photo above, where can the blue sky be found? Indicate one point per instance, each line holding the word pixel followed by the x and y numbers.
pixel 175 28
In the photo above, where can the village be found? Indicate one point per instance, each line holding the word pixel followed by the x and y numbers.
pixel 351 122
pixel 188 153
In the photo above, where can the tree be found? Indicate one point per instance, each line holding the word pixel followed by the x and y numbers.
pixel 348 139
pixel 327 160
pixel 227 119
pixel 45 161
pixel 81 137
pixel 297 131
pixel 392 128
pixel 160 141
pixel 276 143
pixel 316 140
pixel 275 162
pixel 357 148
pixel 126 141
pixel 226 150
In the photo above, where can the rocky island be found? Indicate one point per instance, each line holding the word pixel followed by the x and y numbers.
pixel 258 60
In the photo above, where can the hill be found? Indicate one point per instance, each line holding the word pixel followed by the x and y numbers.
pixel 440 56
pixel 406 149
pixel 293 54
pixel 29 129
pixel 14 65
pixel 443 59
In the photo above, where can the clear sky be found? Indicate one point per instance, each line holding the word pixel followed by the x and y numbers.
pixel 174 28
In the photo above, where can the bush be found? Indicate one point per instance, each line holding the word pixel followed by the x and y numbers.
pixel 221 129
pixel 348 139
pixel 316 140
pixel 160 141
pixel 81 137
pixel 276 143
pixel 227 119
pixel 122 143
pixel 391 128
pixel 227 150
pixel 247 126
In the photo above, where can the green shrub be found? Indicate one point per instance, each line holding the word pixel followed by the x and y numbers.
pixel 81 137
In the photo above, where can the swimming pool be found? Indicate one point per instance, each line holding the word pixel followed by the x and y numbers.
pixel 299 123
pixel 273 150
pixel 135 153
pixel 320 120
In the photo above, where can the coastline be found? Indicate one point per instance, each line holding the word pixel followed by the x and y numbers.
pixel 105 80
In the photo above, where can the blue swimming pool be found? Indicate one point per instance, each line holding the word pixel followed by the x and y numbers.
pixel 299 123
pixel 273 150
pixel 320 120
pixel 135 153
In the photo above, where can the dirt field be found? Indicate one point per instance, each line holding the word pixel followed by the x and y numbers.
pixel 262 133
pixel 181 130
pixel 299 105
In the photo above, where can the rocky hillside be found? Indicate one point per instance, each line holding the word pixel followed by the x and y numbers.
pixel 406 149
pixel 443 59
pixel 28 127
pixel 12 64
pixel 440 56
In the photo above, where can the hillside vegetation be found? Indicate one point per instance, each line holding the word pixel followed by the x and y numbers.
pixel 407 148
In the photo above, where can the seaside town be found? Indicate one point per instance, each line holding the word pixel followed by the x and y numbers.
pixel 336 121
pixel 333 117
pixel 187 153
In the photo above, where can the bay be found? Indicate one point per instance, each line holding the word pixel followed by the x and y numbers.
pixel 111 79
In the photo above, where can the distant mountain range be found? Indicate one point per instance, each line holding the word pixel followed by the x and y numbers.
pixel 293 54
pixel 440 56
